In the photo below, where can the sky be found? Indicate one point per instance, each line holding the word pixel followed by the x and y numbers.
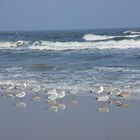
pixel 68 14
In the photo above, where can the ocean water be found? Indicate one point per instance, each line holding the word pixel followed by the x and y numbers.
pixel 72 59
pixel 75 62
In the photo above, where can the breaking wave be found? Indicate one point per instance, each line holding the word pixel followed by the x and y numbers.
pixel 123 44
pixel 12 44
pixel 132 32
pixel 72 45
pixel 93 37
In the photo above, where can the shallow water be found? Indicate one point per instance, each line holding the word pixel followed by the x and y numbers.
pixel 79 120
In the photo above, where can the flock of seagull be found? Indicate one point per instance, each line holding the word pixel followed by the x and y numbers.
pixel 105 98
pixel 52 94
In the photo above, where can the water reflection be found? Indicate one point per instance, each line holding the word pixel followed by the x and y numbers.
pixel 122 104
pixel 36 98
pixel 21 104
pixel 74 101
pixel 56 97
pixel 55 106
pixel 103 108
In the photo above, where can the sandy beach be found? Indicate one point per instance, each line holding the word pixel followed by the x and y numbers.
pixel 74 117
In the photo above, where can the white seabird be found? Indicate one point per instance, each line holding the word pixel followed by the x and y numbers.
pixel 123 94
pixel 118 92
pixel 21 94
pixel 61 95
pixel 101 89
pixel 8 86
pixel 98 90
pixel 74 91
pixel 52 94
pixel 20 86
pixel 36 89
pixel 111 93
pixel 104 98
pixel 24 86
pixel 43 87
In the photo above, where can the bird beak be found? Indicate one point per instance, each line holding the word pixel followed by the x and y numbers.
pixel 97 98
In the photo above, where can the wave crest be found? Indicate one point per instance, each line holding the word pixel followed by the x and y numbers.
pixel 132 32
pixel 58 46
pixel 112 44
pixel 12 44
pixel 92 37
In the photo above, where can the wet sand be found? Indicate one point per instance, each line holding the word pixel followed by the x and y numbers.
pixel 77 118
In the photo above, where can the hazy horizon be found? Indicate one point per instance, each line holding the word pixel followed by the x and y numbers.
pixel 18 15
pixel 76 29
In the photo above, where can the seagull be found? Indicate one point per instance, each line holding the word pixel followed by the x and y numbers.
pixel 119 92
pixel 21 87
pixel 115 92
pixel 73 101
pixel 52 94
pixel 8 86
pixel 123 94
pixel 111 93
pixel 100 90
pixel 61 95
pixel 104 98
pixel 74 90
pixel 43 87
pixel 24 86
pixel 36 89
pixel 21 95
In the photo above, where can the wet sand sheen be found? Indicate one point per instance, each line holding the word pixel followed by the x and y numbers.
pixel 80 121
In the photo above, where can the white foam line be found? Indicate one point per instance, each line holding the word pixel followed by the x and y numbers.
pixel 59 46
pixel 93 37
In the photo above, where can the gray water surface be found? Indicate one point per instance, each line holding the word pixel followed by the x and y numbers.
pixel 77 121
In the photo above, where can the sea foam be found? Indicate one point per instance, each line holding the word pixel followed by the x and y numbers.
pixel 93 37
pixel 123 44
pixel 104 42
pixel 13 44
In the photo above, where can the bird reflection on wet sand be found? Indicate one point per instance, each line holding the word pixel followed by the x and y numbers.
pixel 21 104
pixel 54 106
pixel 74 101
pixel 120 104
pixel 56 97
pixel 103 108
